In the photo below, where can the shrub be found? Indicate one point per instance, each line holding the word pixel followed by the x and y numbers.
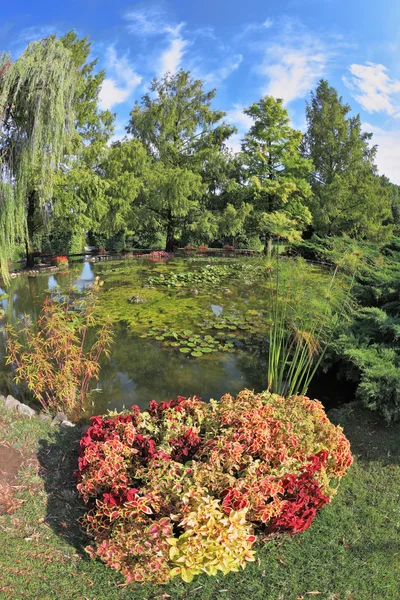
pixel 58 261
pixel 188 487
pixel 55 359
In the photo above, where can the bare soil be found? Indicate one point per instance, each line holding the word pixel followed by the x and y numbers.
pixel 11 461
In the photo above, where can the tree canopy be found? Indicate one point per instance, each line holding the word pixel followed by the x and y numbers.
pixel 276 171
pixel 36 132
pixel 173 179
pixel 348 196
pixel 185 139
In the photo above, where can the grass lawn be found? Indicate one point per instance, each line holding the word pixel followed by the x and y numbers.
pixel 351 552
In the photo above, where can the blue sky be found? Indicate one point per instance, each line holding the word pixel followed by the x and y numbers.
pixel 244 49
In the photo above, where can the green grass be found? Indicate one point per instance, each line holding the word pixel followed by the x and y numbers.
pixel 352 550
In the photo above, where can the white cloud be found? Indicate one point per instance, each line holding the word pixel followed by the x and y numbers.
pixel 254 27
pixel 388 155
pixel 153 22
pixel 234 143
pixel 293 67
pixel 145 22
pixel 35 33
pixel 223 72
pixel 372 88
pixel 118 89
pixel 170 60
pixel 235 116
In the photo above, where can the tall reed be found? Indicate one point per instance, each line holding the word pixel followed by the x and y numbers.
pixel 298 342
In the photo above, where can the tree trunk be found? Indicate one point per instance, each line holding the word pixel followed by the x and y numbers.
pixel 268 246
pixel 30 216
pixel 30 260
pixel 169 246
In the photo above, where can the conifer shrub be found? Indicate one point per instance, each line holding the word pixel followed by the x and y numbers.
pixel 189 487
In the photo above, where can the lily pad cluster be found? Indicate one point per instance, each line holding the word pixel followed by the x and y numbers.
pixel 222 334
pixel 193 344
pixel 208 275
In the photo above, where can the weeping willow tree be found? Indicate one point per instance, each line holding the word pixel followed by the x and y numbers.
pixel 36 133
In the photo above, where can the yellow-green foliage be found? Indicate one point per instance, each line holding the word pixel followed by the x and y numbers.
pixel 213 541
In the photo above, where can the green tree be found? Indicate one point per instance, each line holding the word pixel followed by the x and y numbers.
pixel 36 131
pixel 394 193
pixel 79 202
pixel 277 174
pixel 348 196
pixel 185 139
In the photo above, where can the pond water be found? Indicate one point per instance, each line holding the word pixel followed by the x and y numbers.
pixel 142 368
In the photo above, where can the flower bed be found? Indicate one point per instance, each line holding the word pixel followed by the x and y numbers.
pixel 59 261
pixel 189 487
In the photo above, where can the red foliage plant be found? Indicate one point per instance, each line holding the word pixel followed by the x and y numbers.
pixel 189 487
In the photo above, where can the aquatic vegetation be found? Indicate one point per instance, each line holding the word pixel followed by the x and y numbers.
pixel 224 334
pixel 233 313
pixel 186 341
pixel 189 487
pixel 54 358
pixel 205 276
pixel 211 274
pixel 298 339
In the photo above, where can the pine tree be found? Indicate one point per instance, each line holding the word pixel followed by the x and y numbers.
pixel 348 196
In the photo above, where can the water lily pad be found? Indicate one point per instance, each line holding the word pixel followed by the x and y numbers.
pixel 184 350
pixel 196 353
pixel 160 337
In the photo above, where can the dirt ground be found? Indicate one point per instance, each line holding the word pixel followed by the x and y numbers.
pixel 10 463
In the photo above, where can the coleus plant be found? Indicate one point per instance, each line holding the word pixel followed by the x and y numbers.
pixel 189 487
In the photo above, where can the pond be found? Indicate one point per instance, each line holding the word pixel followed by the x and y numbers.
pixel 185 327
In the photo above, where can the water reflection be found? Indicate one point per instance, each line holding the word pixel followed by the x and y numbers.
pixel 217 309
pixel 141 370
pixel 138 370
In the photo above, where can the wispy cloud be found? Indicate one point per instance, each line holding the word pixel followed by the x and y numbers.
pixel 231 64
pixel 235 116
pixel 293 63
pixel 30 34
pixel 252 28
pixel 153 21
pixel 119 88
pixel 171 58
pixel 388 155
pixel 372 87
pixel 145 22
